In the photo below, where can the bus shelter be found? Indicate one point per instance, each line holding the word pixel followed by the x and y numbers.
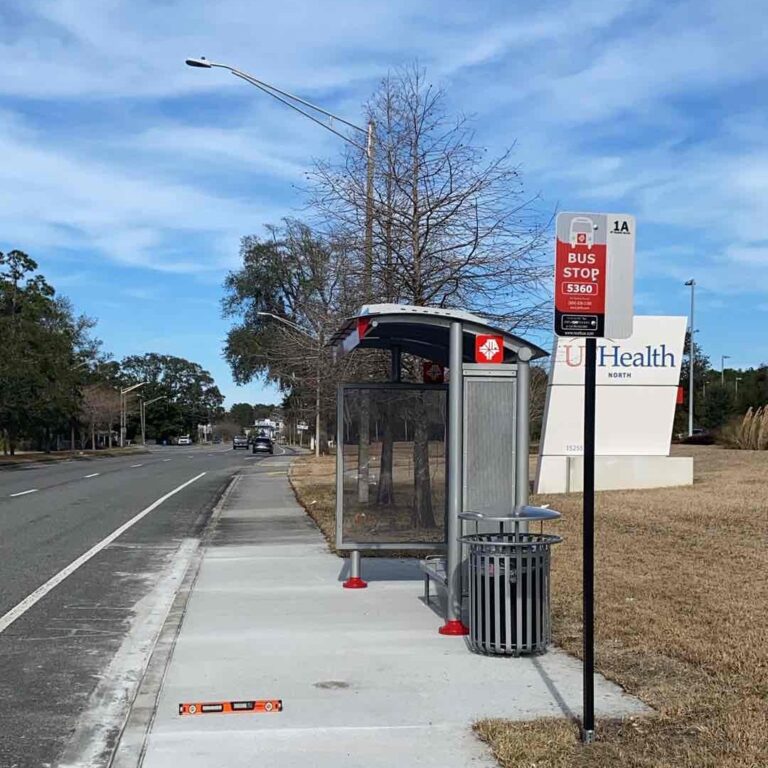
pixel 413 456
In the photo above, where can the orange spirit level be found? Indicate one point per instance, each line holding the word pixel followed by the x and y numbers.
pixel 231 707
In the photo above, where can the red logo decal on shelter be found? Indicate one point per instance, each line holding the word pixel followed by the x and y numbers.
pixel 489 349
pixel 434 373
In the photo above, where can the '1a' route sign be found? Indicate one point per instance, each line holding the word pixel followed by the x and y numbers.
pixel 594 275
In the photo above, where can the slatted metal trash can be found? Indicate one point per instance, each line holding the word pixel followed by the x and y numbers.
pixel 509 583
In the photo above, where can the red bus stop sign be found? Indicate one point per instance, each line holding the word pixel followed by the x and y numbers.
pixel 594 275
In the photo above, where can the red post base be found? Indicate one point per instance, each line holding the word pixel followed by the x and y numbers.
pixel 454 627
pixel 354 582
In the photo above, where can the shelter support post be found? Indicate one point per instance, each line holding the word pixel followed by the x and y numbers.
pixel 453 623
pixel 395 372
pixel 523 428
pixel 355 580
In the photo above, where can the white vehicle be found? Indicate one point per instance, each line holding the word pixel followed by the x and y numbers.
pixel 185 440
pixel 582 232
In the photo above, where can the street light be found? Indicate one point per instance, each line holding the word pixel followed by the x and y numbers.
pixel 370 132
pixel 143 414
pixel 723 358
pixel 319 340
pixel 691 359
pixel 123 415
pixel 738 379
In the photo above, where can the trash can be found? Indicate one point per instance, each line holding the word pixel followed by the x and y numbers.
pixel 508 578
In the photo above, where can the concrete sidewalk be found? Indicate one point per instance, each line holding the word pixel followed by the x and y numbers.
pixel 363 674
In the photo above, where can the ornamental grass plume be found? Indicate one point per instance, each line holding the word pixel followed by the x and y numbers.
pixel 752 432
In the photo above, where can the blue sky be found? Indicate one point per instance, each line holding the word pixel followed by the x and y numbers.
pixel 130 177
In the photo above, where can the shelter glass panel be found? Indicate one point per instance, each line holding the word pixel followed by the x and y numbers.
pixel 394 464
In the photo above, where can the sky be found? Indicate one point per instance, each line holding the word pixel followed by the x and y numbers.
pixel 131 178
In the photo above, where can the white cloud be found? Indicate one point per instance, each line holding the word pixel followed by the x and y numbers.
pixel 53 199
pixel 592 89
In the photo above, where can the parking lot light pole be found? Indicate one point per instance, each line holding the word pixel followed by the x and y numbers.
pixel 723 358
pixel 691 358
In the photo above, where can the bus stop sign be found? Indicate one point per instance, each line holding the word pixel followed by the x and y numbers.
pixel 594 275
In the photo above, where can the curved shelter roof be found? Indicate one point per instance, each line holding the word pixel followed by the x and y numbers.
pixel 422 331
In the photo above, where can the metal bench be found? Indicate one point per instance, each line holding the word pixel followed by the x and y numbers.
pixel 434 568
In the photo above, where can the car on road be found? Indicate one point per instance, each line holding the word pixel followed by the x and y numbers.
pixel 263 444
pixel 239 441
pixel 185 440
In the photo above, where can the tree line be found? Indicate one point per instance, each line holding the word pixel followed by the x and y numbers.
pixel 721 397
pixel 58 388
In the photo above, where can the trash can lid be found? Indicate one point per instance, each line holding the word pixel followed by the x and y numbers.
pixel 522 514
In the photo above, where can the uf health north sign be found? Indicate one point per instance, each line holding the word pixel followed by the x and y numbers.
pixel 637 380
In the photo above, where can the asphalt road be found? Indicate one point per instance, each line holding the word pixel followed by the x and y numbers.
pixel 63 621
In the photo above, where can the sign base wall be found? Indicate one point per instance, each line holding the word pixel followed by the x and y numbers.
pixel 564 474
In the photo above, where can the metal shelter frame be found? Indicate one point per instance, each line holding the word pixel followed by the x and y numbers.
pixel 447 337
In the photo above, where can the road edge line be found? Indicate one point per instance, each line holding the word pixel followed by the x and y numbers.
pixel 131 744
pixel 34 597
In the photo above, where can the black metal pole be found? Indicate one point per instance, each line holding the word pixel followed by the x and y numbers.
pixel 590 376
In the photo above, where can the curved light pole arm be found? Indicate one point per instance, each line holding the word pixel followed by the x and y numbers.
pixel 288 99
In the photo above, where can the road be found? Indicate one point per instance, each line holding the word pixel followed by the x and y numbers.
pixel 91 554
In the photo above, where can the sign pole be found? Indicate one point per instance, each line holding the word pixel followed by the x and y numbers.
pixel 590 391
pixel 594 284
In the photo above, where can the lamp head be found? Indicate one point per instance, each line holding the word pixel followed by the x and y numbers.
pixel 201 62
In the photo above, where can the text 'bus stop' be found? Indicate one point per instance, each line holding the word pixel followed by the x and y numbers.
pixel 413 457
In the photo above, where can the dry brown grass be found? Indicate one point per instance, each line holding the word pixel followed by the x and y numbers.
pixel 682 612
pixel 682 618
pixel 314 483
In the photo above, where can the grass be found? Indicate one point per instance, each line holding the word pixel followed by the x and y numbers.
pixel 39 456
pixel 682 618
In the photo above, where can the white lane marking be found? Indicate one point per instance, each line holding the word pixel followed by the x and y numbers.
pixel 24 493
pixel 133 466
pixel 167 459
pixel 95 474
pixel 19 610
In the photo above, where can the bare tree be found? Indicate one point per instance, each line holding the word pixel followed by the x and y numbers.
pixel 452 228
pixel 100 408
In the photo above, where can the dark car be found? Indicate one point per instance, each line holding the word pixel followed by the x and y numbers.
pixel 240 441
pixel 263 445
